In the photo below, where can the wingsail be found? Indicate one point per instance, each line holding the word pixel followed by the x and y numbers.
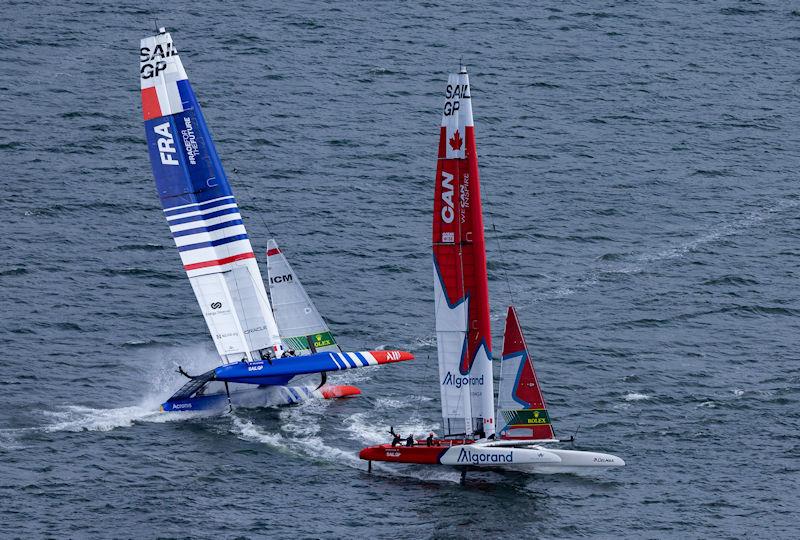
pixel 302 328
pixel 201 210
pixel 522 412
pixel 463 330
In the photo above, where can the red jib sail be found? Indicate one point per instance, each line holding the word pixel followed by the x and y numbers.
pixel 522 412
pixel 460 284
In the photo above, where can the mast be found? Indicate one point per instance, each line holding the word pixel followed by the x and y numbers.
pixel 463 329
pixel 201 210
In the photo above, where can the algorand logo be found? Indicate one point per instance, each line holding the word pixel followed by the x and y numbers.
pixel 467 456
pixel 447 198
pixel 459 381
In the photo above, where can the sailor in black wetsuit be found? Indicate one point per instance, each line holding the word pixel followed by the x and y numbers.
pixel 395 437
pixel 429 440
pixel 410 440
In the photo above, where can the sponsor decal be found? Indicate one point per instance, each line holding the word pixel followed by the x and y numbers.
pixel 323 340
pixel 257 329
pixel 181 405
pixel 463 198
pixel 447 197
pixel 165 144
pixel 453 96
pixel 526 417
pixel 216 305
pixel 153 61
pixel 458 381
pixel 288 278
pixel 448 237
pixel 603 460
pixel 392 453
pixel 189 141
pixel 255 367
pixel 476 458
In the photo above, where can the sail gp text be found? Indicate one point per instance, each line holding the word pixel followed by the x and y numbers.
pixel 458 381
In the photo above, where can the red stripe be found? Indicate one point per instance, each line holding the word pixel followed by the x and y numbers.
pixel 150 106
pixel 273 251
pixel 220 262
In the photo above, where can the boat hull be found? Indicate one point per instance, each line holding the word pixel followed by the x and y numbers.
pixel 522 457
pixel 461 453
pixel 266 396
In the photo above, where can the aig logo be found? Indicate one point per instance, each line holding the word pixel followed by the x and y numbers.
pixel 281 279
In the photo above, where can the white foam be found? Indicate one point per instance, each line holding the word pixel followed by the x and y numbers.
pixel 635 396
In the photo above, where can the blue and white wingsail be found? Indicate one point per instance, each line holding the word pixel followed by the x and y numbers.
pixel 302 328
pixel 201 210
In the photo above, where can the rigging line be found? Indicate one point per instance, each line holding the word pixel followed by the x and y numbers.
pixel 499 249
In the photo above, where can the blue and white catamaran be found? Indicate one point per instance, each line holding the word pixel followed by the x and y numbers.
pixel 256 364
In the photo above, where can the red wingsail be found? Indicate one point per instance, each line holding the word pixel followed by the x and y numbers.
pixel 461 290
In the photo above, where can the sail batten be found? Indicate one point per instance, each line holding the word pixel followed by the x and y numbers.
pixel 201 210
pixel 460 281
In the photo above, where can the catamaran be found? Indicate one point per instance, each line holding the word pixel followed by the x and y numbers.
pixel 525 437
pixel 259 355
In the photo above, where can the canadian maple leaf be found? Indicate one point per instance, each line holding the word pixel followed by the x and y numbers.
pixel 455 141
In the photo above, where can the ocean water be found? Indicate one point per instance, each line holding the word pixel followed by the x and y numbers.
pixel 639 165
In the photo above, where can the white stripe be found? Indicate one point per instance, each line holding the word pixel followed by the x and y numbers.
pixel 219 234
pixel 369 357
pixel 195 256
pixel 204 223
pixel 356 360
pixel 344 360
pixel 335 361
pixel 198 204
pixel 202 212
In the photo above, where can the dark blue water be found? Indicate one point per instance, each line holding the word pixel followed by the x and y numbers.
pixel 639 160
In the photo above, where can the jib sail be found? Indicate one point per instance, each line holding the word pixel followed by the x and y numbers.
pixel 301 326
pixel 522 412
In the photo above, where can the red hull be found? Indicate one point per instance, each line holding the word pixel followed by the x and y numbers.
pixel 420 453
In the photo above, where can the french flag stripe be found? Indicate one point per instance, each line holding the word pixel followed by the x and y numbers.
pixel 346 360
pixel 356 360
pixel 201 217
pixel 151 108
pixel 198 206
pixel 363 360
pixel 209 228
pixel 219 262
pixel 213 243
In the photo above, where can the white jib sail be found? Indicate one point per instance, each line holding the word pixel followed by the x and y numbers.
pixel 302 328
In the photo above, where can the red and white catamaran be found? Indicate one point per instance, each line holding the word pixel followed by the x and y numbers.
pixel 463 333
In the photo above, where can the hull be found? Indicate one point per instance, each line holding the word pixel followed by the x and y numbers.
pixel 459 453
pixel 268 396
pixel 519 457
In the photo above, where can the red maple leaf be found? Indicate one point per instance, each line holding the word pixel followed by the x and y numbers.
pixel 455 141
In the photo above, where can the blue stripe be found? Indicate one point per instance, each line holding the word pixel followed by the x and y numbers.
pixel 213 243
pixel 350 363
pixel 362 358
pixel 335 361
pixel 295 394
pixel 210 228
pixel 206 216
pixel 198 206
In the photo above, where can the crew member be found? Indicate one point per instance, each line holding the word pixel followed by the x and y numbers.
pixel 410 440
pixel 429 440
pixel 395 437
